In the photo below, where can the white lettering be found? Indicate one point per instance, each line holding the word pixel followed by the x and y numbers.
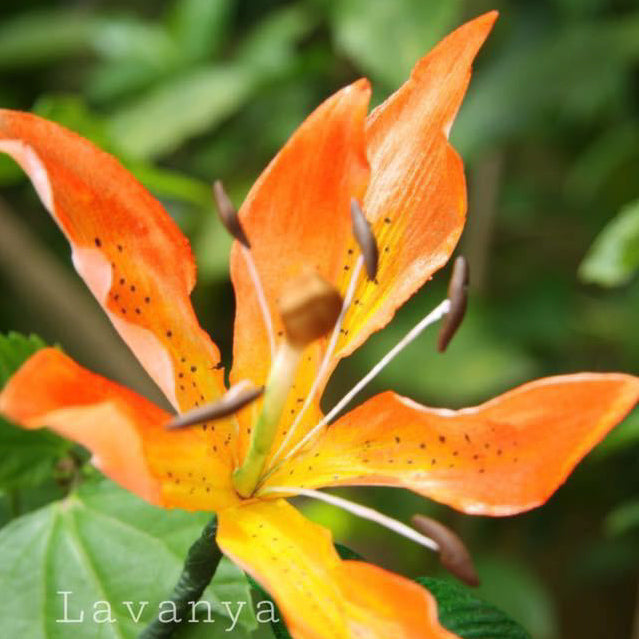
pixel 270 612
pixel 102 612
pixel 207 606
pixel 128 605
pixel 172 610
pixel 227 605
pixel 65 606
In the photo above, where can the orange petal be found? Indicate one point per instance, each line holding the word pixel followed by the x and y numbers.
pixel 416 199
pixel 321 596
pixel 123 431
pixel 128 250
pixel 416 202
pixel 297 217
pixel 502 457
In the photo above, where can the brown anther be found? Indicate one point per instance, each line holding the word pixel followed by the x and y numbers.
pixel 365 239
pixel 235 399
pixel 453 554
pixel 458 296
pixel 228 214
pixel 309 308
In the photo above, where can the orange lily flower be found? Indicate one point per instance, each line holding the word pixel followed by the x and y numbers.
pixel 502 457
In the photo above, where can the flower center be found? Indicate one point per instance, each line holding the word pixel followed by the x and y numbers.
pixel 309 307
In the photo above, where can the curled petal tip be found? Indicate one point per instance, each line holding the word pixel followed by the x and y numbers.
pixel 453 554
pixel 458 296
pixel 236 398
pixel 365 239
pixel 228 214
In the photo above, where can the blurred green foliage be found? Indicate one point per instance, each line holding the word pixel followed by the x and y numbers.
pixel 185 91
pixel 614 257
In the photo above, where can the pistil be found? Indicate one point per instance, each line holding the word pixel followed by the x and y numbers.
pixel 309 309
pixel 369 258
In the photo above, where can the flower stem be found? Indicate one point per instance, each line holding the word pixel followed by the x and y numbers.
pixel 199 567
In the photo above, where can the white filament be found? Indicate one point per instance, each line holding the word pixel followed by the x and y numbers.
pixel 261 298
pixel 434 316
pixel 361 511
pixel 348 298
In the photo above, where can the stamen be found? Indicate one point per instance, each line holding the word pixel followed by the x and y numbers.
pixel 350 292
pixel 435 315
pixel 453 554
pixel 231 220
pixel 261 299
pixel 365 238
pixel 458 296
pixel 236 398
pixel 228 214
pixel 360 511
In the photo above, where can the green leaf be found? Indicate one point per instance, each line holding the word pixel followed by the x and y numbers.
pixel 623 519
pixel 269 48
pixel 10 172
pixel 15 349
pixel 198 99
pixel 385 39
pixel 28 457
pixel 115 79
pixel 614 256
pixel 190 104
pixel 104 544
pixel 200 26
pixel 133 40
pixel 44 37
pixel 14 503
pixel 463 613
pixel 623 436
